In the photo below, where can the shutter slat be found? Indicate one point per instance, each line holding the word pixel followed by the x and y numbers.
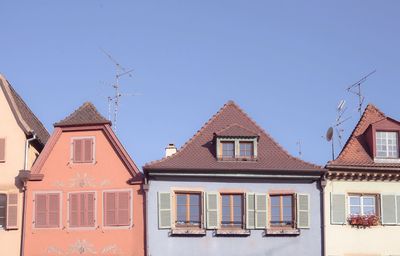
pixel 398 208
pixel 388 206
pixel 164 210
pixel 77 150
pixel 303 211
pixel 40 210
pixel 110 208
pixel 250 209
pixel 12 211
pixel 123 208
pixel 88 150
pixel 2 149
pixel 338 209
pixel 260 211
pixel 212 210
pixel 73 210
pixel 90 209
pixel 54 210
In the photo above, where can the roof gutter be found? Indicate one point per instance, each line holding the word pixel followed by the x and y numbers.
pixel 363 168
pixel 235 175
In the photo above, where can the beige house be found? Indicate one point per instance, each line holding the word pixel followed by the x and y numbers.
pixel 22 137
pixel 362 192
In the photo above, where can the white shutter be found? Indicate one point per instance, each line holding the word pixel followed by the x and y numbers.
pixel 260 211
pixel 250 209
pixel 338 209
pixel 388 206
pixel 12 210
pixel 164 210
pixel 212 210
pixel 303 210
pixel 398 209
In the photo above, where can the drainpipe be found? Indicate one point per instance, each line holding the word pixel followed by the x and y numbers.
pixel 24 180
pixel 323 227
pixel 146 227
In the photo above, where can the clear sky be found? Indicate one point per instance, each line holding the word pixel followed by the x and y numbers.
pixel 286 63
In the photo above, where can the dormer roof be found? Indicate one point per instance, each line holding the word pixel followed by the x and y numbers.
pixel 199 153
pixel 86 114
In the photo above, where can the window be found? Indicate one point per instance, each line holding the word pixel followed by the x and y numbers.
pixel 3 210
pixel 246 149
pixel 47 210
pixel 228 149
pixel 117 208
pixel 82 209
pixel 83 150
pixel 2 150
pixel 282 211
pixel 232 211
pixel 188 210
pixel 362 204
pixel 387 145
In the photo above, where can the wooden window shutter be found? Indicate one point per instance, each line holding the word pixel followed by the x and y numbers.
pixel 398 209
pixel 110 209
pixel 74 210
pixel 88 150
pixel 338 209
pixel 212 210
pixel 260 211
pixel 77 150
pixel 164 210
pixel 250 210
pixel 2 149
pixel 123 215
pixel 40 210
pixel 303 210
pixel 54 210
pixel 90 199
pixel 388 206
pixel 12 211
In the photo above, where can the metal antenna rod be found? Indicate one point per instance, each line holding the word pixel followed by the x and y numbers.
pixel 356 89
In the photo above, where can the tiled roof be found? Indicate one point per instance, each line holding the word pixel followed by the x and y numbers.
pixel 86 114
pixel 236 130
pixel 24 115
pixel 199 151
pixel 355 152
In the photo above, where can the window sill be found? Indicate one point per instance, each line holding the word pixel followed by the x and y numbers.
pixel 282 232
pixel 187 232
pixel 237 159
pixel 232 232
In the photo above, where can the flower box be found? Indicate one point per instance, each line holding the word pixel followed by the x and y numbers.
pixel 363 220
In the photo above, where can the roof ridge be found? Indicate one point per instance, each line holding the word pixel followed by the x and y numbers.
pixel 213 117
pixel 368 108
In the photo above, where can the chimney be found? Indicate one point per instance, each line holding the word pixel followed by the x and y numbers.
pixel 170 150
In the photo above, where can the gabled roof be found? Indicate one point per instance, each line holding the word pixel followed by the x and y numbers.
pixel 86 114
pixel 235 130
pixel 84 121
pixel 356 151
pixel 199 152
pixel 28 122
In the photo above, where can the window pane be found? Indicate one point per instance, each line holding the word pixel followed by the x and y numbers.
pixel 369 201
pixel 368 210
pixel 228 149
pixel 275 212
pixel 287 201
pixel 194 199
pixel 181 199
pixel 237 200
pixel 181 214
pixel 355 210
pixel 355 200
pixel 246 149
pixel 275 200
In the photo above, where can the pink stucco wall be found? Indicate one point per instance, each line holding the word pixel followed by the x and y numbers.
pixel 107 173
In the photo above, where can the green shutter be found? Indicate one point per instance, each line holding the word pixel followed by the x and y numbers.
pixel 260 211
pixel 250 209
pixel 164 210
pixel 338 209
pixel 212 210
pixel 388 206
pixel 303 210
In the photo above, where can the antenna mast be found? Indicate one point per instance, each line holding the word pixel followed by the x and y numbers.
pixel 356 89
pixel 119 72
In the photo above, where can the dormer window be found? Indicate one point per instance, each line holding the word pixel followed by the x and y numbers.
pixel 228 149
pixel 246 148
pixel 387 144
pixel 239 149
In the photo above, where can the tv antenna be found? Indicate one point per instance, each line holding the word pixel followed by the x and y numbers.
pixel 336 127
pixel 298 143
pixel 356 89
pixel 114 101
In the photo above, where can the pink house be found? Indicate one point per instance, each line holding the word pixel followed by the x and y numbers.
pixel 84 193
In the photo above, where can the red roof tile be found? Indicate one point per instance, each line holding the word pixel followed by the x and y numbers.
pixel 199 151
pixel 236 130
pixel 23 114
pixel 356 151
pixel 86 114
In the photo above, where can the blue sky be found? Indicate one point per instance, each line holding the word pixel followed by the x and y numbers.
pixel 286 63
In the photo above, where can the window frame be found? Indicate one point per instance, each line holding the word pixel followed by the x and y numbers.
pixel 72 149
pixel 5 150
pixel 237 141
pixel 362 195
pixel 95 213
pixel 241 142
pixel 4 227
pixel 201 210
pixel 226 142
pixel 243 210
pixel 386 144
pixel 104 226
pixel 60 193
pixel 294 211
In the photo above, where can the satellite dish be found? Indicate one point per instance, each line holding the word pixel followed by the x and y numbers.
pixel 341 105
pixel 329 134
